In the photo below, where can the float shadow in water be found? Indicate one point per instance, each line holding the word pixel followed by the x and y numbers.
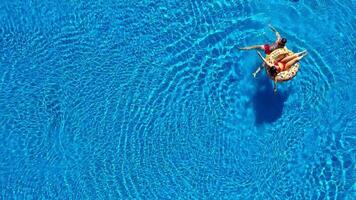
pixel 268 106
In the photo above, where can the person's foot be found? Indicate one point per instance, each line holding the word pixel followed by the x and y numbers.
pixel 304 54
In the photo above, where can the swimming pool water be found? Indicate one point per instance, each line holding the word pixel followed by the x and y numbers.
pixel 152 100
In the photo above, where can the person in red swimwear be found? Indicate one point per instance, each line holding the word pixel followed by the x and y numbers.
pixel 282 64
pixel 267 48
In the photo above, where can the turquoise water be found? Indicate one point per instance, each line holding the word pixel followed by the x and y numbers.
pixel 152 100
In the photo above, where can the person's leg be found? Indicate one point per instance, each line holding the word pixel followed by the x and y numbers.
pixel 280 57
pixel 291 57
pixel 292 62
pixel 288 58
pixel 260 47
pixel 275 86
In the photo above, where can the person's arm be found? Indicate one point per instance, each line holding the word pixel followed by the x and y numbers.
pixel 275 86
pixel 257 71
pixel 259 54
pixel 261 47
pixel 278 36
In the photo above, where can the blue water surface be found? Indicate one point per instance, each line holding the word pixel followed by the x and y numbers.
pixel 148 99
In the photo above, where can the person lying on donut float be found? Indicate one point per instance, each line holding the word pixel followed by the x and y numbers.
pixel 268 48
pixel 282 65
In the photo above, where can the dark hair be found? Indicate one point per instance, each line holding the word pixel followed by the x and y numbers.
pixel 272 71
pixel 283 40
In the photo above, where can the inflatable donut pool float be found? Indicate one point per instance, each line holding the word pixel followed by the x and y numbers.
pixel 284 75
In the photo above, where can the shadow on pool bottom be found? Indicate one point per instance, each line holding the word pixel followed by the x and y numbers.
pixel 267 105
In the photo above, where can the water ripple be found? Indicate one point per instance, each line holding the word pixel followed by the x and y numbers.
pixel 152 100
